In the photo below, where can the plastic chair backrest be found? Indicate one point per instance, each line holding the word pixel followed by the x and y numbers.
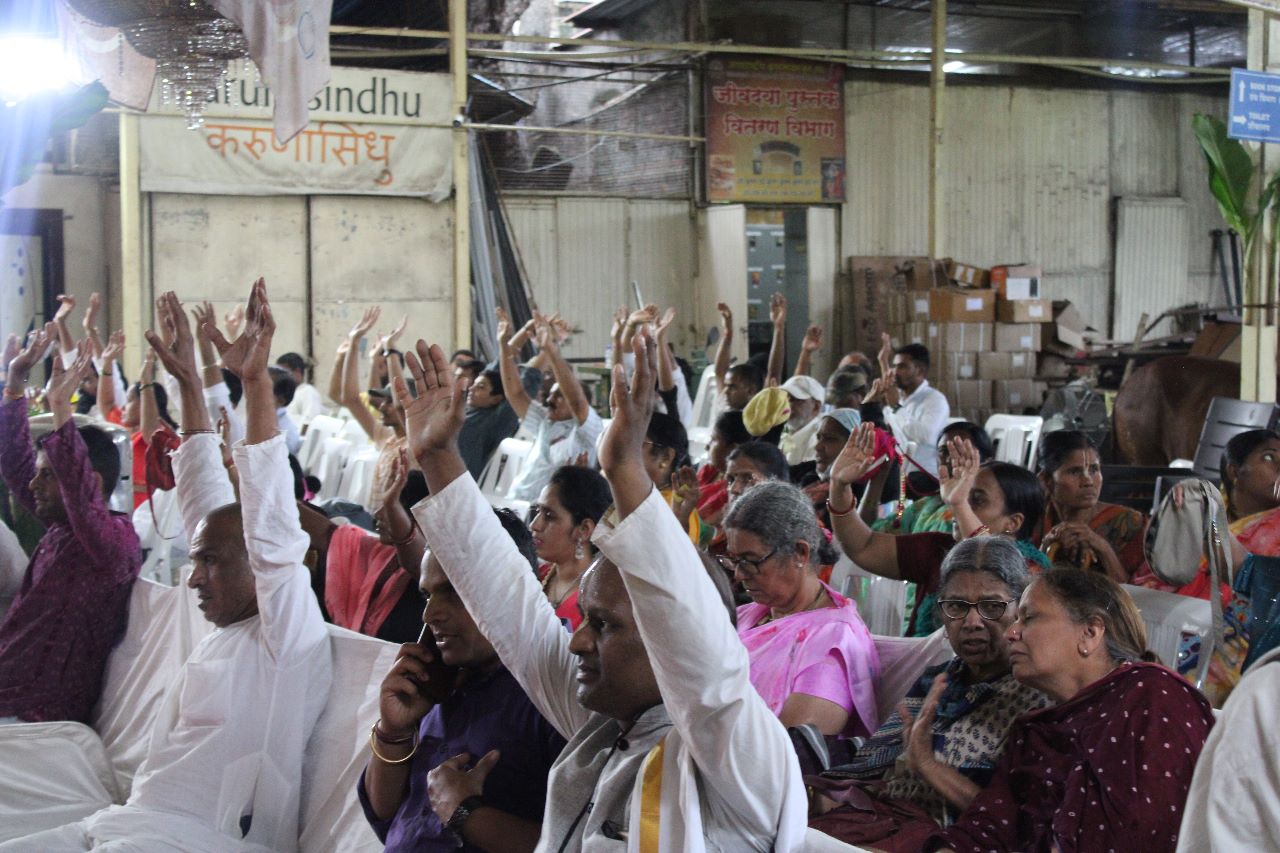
pixel 704 399
pixel 1016 438
pixel 320 428
pixel 509 460
pixel 882 602
pixel 1167 616
pixel 902 661
pixel 357 476
pixel 333 457
pixel 1226 419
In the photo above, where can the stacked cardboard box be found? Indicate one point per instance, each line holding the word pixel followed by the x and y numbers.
pixel 992 337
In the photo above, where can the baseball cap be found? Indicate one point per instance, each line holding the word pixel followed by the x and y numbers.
pixel 805 388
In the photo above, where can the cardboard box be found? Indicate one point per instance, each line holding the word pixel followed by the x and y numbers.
pixel 1006 365
pixel 954 365
pixel 869 297
pixel 1012 396
pixel 1066 335
pixel 1017 337
pixel 916 306
pixel 958 305
pixel 1017 281
pixel 966 275
pixel 967 394
pixel 959 337
pixel 1024 311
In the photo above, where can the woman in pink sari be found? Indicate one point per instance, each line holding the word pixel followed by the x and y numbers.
pixel 812 658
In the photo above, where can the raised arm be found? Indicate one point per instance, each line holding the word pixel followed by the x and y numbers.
pixel 273 535
pixel 66 304
pixel 876 552
pixel 741 751
pixel 389 477
pixel 487 571
pixel 570 386
pixel 509 349
pixel 615 335
pixel 335 373
pixel 812 343
pixel 638 319
pixel 351 373
pixel 17 456
pixel 724 351
pixel 90 321
pixel 778 346
pixel 148 411
pixel 956 483
pixel 666 361
pixel 201 480
pixel 106 374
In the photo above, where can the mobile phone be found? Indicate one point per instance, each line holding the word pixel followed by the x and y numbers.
pixel 441 678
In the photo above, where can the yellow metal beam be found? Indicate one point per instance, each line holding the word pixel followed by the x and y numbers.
pixel 461 177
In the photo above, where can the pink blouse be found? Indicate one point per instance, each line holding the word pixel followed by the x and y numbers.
pixel 826 653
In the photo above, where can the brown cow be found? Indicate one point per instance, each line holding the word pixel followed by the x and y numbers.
pixel 1160 409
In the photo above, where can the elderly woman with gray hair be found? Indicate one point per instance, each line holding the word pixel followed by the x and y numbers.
pixel 929 760
pixel 812 658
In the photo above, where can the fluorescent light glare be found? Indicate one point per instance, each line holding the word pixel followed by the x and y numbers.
pixel 952 67
pixel 30 65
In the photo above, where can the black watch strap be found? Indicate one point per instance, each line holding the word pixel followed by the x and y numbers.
pixel 462 814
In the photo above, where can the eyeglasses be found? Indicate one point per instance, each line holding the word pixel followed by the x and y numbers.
pixel 989 609
pixel 750 568
pixel 746 480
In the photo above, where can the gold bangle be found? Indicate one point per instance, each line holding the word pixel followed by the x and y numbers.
pixel 373 747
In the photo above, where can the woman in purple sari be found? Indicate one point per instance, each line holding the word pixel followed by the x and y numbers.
pixel 1108 768
pixel 812 658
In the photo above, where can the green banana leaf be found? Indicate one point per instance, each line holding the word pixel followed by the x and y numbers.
pixel 1230 174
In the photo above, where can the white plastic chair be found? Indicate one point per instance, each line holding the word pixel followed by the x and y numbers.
pixel 320 428
pixel 1167 616
pixel 357 476
pixel 1016 438
pixel 902 661
pixel 882 602
pixel 333 458
pixel 503 467
pixel 704 400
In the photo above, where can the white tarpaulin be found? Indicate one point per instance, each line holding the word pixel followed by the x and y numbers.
pixel 242 157
pixel 372 132
pixel 289 41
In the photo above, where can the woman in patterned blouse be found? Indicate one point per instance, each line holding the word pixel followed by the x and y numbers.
pixel 928 761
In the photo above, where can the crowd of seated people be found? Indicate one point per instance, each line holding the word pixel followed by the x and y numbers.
pixel 634 663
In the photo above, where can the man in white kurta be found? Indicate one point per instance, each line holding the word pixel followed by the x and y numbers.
pixel 1234 802
pixel 223 769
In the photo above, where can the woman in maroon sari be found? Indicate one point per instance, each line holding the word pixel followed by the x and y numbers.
pixel 1109 767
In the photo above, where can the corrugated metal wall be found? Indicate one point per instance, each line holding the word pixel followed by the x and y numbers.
pixel 1030 175
pixel 1151 261
pixel 581 255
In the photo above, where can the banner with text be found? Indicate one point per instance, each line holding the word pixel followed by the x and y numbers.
pixel 372 132
pixel 775 131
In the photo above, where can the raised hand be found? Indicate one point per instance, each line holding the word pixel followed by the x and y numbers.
pixel 504 326
pixel 778 309
pixel 684 493
pixel 547 337
pixel 234 320
pixel 664 323
pixel 956 479
pixel 38 343
pixel 562 328
pixel 857 459
pixel 885 356
pixel 875 394
pixel 90 321
pixel 365 323
pixel 812 339
pixel 388 342
pixel 147 375
pixel 248 355
pixel 174 346
pixel 114 348
pixel 66 304
pixel 619 321
pixel 11 349
pixel 63 382
pixel 390 474
pixel 434 415
pixel 726 317
pixel 451 782
pixel 642 315
pixel 632 405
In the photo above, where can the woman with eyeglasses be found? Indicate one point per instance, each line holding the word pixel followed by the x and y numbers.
pixel 995 498
pixel 927 762
pixel 1108 767
pixel 812 658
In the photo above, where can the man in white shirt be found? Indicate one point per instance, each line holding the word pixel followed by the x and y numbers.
pixel 223 769
pixel 670 747
pixel 562 429
pixel 307 402
pixel 914 409
pixel 799 437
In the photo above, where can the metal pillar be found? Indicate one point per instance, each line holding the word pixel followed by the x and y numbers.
pixel 461 177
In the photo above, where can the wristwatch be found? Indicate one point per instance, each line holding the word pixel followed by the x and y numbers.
pixel 462 814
